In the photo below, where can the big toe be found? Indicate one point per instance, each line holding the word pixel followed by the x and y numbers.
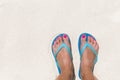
pixel 83 40
pixel 66 40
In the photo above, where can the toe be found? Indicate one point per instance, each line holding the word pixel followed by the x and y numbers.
pixel 54 47
pixel 94 43
pixel 92 40
pixel 66 40
pixel 59 40
pixel 55 43
pixel 97 47
pixel 89 39
pixel 83 40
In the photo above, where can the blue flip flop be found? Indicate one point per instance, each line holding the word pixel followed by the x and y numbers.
pixel 63 45
pixel 84 47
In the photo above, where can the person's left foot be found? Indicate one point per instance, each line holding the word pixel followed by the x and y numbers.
pixel 63 57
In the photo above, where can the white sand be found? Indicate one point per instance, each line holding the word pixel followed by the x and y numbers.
pixel 28 26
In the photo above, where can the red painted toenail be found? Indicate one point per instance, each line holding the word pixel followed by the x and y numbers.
pixel 65 36
pixel 83 36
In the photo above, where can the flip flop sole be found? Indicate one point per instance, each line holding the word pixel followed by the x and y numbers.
pixel 63 45
pixel 87 45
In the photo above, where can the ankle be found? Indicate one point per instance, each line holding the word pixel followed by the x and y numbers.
pixel 85 70
pixel 86 73
pixel 68 75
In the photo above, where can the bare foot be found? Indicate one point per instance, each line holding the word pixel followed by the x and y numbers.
pixel 64 60
pixel 88 57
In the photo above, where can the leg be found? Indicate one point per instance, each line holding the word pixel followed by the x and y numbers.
pixel 64 60
pixel 87 62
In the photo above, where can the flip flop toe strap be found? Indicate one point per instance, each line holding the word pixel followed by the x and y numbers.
pixel 93 50
pixel 63 45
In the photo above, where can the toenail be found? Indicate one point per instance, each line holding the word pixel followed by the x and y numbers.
pixel 83 36
pixel 65 36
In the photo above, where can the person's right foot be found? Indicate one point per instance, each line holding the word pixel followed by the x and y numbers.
pixel 88 57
